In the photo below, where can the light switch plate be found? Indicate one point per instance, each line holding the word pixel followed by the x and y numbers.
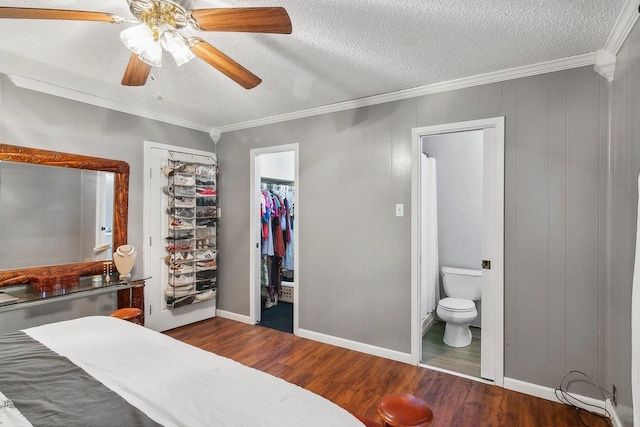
pixel 399 209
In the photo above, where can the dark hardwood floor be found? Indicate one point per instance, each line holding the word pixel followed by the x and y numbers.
pixel 356 381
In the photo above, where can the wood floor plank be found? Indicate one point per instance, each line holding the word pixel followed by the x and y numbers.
pixel 356 381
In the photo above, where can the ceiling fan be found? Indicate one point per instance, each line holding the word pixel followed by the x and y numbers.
pixel 157 31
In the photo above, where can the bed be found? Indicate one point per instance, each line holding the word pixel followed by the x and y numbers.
pixel 102 371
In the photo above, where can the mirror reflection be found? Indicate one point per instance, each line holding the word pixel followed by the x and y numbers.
pixel 51 215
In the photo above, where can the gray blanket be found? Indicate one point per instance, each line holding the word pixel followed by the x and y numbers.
pixel 50 390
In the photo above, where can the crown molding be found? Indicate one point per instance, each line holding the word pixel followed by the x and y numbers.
pixel 74 95
pixel 482 79
pixel 605 64
pixel 622 27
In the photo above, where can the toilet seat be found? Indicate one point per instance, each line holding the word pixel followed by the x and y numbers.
pixel 457 305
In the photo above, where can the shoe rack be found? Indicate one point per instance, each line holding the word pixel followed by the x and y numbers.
pixel 192 252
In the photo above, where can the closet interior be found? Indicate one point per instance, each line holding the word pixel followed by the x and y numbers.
pixel 277 276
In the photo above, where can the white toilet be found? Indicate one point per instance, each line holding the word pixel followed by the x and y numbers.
pixel 463 287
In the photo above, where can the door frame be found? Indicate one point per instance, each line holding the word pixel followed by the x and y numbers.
pixel 493 148
pixel 254 230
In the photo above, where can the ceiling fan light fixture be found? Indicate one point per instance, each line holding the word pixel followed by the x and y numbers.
pixel 182 56
pixel 137 38
pixel 171 40
pixel 152 54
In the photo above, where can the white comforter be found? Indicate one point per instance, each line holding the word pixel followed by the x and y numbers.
pixel 176 384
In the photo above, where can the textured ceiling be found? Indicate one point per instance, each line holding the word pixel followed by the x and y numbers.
pixel 339 50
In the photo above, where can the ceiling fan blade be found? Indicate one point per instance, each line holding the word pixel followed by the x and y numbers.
pixel 136 73
pixel 223 63
pixel 244 19
pixel 70 15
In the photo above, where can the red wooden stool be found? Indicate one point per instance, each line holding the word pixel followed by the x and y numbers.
pixel 404 410
pixel 129 314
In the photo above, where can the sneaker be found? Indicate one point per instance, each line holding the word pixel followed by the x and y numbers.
pixel 173 258
pixel 269 303
pixel 181 191
pixel 178 292
pixel 205 181
pixel 204 223
pixel 180 269
pixel 181 280
pixel 206 191
pixel 206 170
pixel 210 294
pixel 207 255
pixel 206 265
pixel 183 202
pixel 180 224
pixel 179 212
pixel 206 201
pixel 183 301
pixel 183 180
pixel 185 168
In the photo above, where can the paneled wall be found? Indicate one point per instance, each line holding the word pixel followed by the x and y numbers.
pixel 33 119
pixel 354 278
pixel 623 199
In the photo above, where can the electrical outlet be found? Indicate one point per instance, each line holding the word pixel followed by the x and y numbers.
pixel 613 397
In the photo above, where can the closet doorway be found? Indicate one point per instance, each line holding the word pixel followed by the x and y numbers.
pixel 274 272
pixel 458 235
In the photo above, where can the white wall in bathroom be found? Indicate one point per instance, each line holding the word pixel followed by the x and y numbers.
pixel 459 174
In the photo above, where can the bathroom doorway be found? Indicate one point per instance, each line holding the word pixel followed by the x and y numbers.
pixel 458 222
pixel 274 272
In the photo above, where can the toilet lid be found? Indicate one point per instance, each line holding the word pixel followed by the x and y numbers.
pixel 457 304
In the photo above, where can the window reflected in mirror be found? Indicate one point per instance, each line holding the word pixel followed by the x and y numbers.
pixel 51 215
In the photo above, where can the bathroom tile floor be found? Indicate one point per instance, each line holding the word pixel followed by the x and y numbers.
pixel 465 360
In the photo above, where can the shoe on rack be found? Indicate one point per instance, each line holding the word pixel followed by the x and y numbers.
pixel 178 292
pixel 183 180
pixel 207 264
pixel 206 191
pixel 173 258
pixel 167 170
pixel 207 255
pixel 180 269
pixel 210 294
pixel 183 202
pixel 206 170
pixel 181 280
pixel 180 224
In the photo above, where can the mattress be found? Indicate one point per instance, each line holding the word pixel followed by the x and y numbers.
pixel 176 384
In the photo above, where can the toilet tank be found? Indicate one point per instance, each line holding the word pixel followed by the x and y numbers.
pixel 462 283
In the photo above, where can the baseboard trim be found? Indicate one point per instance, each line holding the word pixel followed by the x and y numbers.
pixel 615 419
pixel 548 393
pixel 234 316
pixel 426 323
pixel 356 346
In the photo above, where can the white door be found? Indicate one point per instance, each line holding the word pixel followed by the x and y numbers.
pixel 156 223
pixel 492 311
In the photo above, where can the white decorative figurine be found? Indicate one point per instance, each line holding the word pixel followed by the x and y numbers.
pixel 124 257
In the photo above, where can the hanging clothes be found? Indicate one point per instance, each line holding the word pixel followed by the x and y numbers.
pixel 276 209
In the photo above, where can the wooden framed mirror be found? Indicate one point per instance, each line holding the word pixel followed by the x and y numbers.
pixel 120 170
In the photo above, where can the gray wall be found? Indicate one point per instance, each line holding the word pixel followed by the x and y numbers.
pixel 623 199
pixel 459 177
pixel 38 120
pixel 354 278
